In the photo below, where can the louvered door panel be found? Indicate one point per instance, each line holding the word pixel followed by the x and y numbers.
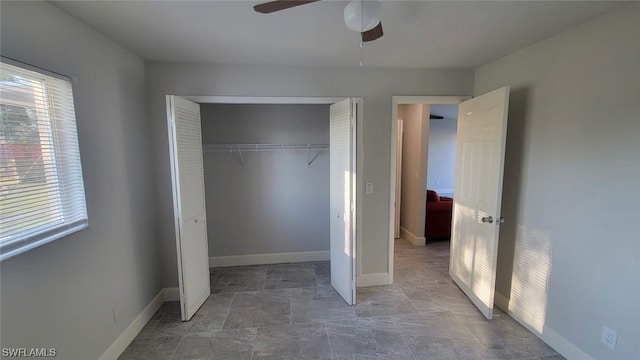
pixel 341 199
pixel 189 203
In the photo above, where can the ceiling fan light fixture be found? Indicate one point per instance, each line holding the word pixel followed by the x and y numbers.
pixel 362 15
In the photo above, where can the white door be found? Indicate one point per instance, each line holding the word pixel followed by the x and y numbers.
pixel 482 130
pixel 342 159
pixel 397 204
pixel 187 176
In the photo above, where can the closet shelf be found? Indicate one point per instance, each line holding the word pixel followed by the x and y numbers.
pixel 263 147
pixel 240 148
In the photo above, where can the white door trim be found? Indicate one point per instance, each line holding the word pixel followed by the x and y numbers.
pixel 264 99
pixel 223 99
pixel 398 187
pixel 395 101
pixel 359 166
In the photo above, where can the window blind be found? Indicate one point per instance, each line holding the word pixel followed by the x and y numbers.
pixel 41 187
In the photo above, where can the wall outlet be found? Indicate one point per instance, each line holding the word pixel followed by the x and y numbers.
pixel 609 337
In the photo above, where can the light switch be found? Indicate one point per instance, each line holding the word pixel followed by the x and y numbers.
pixel 369 188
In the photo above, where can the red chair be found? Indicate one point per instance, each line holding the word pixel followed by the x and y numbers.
pixel 437 224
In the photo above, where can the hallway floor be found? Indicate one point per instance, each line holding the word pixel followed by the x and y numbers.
pixel 290 311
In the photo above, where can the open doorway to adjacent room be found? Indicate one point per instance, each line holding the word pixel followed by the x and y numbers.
pixel 425 146
pixel 472 218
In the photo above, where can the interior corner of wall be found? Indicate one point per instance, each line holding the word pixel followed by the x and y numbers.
pixel 501 301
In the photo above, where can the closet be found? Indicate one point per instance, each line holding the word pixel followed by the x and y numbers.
pixel 266 171
pixel 263 183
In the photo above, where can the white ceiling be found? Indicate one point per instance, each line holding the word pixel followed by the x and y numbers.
pixel 418 34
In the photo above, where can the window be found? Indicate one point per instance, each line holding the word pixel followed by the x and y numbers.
pixel 41 188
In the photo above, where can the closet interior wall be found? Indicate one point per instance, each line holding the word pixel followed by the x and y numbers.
pixel 276 202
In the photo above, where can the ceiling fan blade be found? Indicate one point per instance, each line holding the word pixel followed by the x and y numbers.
pixel 435 117
pixel 373 34
pixel 273 6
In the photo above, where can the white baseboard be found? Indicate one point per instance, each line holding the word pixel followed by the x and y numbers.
pixel 562 345
pixel 413 239
pixel 127 336
pixel 261 259
pixel 372 279
pixel 171 294
pixel 548 335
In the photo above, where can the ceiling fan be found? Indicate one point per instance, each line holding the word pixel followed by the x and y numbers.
pixel 362 16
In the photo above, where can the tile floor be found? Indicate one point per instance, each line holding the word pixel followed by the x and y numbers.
pixel 290 311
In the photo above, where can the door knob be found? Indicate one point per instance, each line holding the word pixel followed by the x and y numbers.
pixel 487 219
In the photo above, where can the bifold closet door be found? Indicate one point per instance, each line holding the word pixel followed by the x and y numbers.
pixel 187 175
pixel 482 131
pixel 342 158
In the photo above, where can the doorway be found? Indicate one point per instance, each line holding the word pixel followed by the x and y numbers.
pixel 425 160
pixel 419 175
pixel 345 114
pixel 476 207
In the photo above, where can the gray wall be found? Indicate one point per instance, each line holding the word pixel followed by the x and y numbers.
pixel 570 247
pixel 275 203
pixel 441 165
pixel 415 138
pixel 376 86
pixel 63 294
